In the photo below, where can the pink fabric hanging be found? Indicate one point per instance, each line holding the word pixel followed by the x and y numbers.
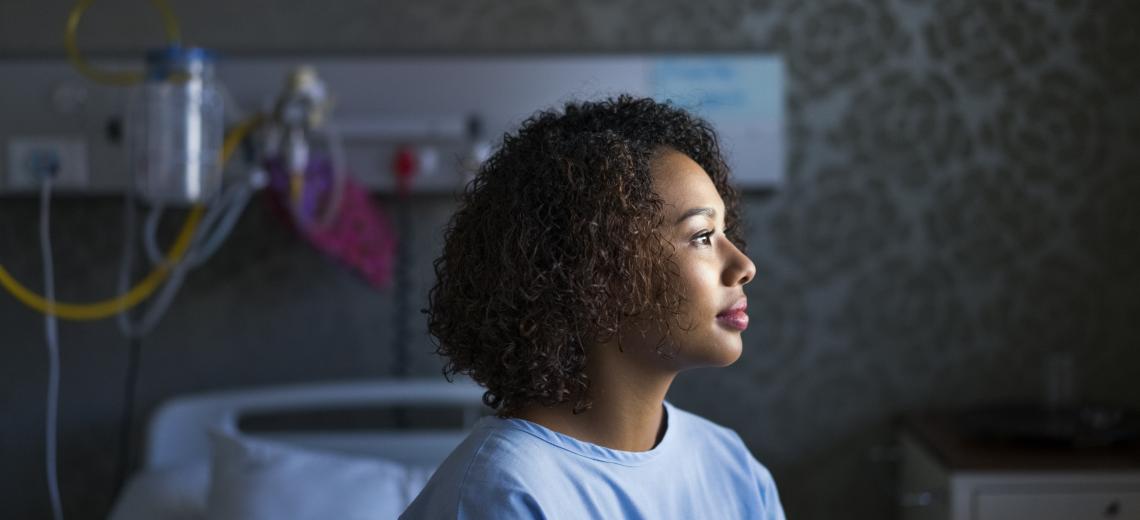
pixel 359 235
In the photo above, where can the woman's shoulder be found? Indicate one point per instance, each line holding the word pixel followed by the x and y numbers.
pixel 494 460
pixel 711 441
pixel 690 425
pixel 496 451
pixel 722 447
pixel 506 448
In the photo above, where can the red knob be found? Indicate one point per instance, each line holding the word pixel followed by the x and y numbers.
pixel 404 165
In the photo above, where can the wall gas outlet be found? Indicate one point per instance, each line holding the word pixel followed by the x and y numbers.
pixel 30 159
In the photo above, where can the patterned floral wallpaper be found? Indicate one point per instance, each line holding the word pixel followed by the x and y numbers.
pixel 961 200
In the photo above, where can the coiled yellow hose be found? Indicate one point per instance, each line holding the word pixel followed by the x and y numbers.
pixel 140 292
pixel 119 78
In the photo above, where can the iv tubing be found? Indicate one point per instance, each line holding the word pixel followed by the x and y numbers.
pixel 120 78
pixel 213 229
pixel 340 174
pixel 204 246
pixel 51 327
pixel 109 307
pixel 150 230
pixel 336 194
pixel 228 220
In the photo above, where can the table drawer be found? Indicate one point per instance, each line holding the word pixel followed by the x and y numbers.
pixel 1093 505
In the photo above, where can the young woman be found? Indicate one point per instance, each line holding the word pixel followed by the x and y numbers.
pixel 594 257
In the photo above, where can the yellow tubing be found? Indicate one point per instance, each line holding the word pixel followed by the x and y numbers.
pixel 140 292
pixel 120 78
pixel 296 187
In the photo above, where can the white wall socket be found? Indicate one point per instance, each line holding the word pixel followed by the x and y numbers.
pixel 31 158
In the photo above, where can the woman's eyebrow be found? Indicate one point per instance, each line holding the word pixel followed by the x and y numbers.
pixel 697 211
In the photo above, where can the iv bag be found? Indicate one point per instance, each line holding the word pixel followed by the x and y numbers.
pixel 175 128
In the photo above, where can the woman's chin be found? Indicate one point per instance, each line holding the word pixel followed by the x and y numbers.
pixel 719 356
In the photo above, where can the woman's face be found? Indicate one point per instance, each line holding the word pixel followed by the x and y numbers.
pixel 712 270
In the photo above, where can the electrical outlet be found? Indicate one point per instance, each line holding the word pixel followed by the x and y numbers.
pixel 30 159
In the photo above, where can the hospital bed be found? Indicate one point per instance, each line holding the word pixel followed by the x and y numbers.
pixel 359 450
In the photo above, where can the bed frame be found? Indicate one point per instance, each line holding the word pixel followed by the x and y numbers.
pixel 178 433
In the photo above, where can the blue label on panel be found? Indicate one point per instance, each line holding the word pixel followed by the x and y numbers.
pixel 721 88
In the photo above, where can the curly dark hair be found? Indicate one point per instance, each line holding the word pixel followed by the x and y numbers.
pixel 556 245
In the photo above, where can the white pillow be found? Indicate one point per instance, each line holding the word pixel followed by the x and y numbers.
pixel 254 479
pixel 166 494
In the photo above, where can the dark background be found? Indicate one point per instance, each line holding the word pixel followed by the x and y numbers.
pixel 961 200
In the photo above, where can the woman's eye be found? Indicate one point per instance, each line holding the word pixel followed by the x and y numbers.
pixel 704 238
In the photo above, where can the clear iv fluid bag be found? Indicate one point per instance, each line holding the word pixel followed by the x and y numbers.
pixel 175 128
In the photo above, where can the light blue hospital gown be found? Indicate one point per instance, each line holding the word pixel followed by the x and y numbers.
pixel 513 468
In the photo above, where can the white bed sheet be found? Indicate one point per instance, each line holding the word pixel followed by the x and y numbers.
pixel 167 494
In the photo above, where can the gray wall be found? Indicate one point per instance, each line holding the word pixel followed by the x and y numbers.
pixel 961 200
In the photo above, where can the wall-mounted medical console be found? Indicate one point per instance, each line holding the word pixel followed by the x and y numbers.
pixel 51 116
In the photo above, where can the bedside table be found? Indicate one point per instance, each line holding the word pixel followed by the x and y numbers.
pixel 946 475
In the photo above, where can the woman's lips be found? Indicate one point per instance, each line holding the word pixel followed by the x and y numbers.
pixel 735 319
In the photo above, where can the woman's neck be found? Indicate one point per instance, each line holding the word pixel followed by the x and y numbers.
pixel 627 413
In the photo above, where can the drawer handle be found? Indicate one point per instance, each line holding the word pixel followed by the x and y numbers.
pixel 1112 509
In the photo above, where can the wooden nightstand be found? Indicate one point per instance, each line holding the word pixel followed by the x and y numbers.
pixel 946 476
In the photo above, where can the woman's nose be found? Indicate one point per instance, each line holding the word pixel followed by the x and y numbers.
pixel 739 269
